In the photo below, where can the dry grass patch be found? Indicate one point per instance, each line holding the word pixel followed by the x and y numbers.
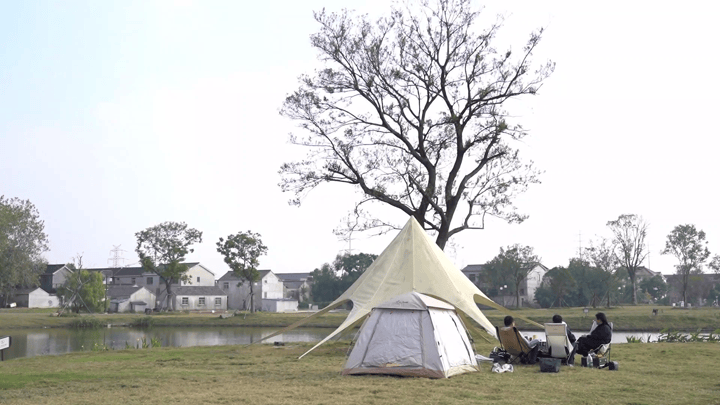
pixel 264 374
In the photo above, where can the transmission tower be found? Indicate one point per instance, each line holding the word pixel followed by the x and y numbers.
pixel 116 256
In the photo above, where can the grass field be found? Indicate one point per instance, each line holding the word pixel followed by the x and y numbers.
pixel 655 373
pixel 631 318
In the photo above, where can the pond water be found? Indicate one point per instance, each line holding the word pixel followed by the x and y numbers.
pixel 53 341
pixel 50 341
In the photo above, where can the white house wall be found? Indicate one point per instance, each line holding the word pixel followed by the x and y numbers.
pixel 532 282
pixel 275 305
pixel 140 295
pixel 193 303
pixel 199 276
pixel 271 287
pixel 41 299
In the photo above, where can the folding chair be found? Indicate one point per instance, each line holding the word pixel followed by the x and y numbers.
pixel 513 343
pixel 558 344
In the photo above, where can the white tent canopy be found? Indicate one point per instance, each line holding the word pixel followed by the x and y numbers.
pixel 412 335
pixel 411 262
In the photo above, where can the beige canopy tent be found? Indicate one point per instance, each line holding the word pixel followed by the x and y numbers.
pixel 411 262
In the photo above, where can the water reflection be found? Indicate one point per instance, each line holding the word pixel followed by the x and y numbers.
pixel 38 342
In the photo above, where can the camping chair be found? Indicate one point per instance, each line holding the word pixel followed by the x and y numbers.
pixel 558 344
pixel 513 343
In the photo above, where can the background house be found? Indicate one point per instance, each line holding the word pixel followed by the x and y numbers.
pixel 35 297
pixel 200 298
pixel 505 295
pixel 199 276
pixel 268 290
pixel 124 298
pixel 296 285
pixel 702 289
pixel 55 276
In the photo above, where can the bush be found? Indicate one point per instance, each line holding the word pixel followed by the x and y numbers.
pixel 144 322
pixel 86 323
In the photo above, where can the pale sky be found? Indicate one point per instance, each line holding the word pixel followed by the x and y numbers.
pixel 118 115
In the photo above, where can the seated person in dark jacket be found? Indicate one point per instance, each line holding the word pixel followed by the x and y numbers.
pixel 601 334
pixel 558 319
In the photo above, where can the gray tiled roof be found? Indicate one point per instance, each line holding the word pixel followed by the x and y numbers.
pixel 119 291
pixel 198 290
pixel 135 271
pixel 473 268
pixel 52 268
pixel 229 276
pixel 293 276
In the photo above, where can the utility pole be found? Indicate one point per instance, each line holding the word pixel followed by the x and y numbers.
pixel 579 245
pixel 117 257
pixel 116 260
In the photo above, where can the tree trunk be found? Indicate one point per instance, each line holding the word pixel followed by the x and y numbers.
pixel 608 297
pixel 634 289
pixel 169 304
pixel 252 298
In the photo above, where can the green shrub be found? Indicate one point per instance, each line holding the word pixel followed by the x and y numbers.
pixel 86 323
pixel 144 322
pixel 633 339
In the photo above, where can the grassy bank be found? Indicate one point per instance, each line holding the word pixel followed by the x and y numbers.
pixel 658 373
pixel 638 318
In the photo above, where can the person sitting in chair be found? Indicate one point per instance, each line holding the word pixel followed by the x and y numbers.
pixel 558 319
pixel 510 323
pixel 600 334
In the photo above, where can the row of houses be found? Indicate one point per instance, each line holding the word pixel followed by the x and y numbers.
pixel 132 289
pixel 702 289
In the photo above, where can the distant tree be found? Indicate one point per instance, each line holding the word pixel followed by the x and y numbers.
pixel 332 279
pixel 689 246
pixel 629 232
pixel 512 266
pixel 589 288
pixel 715 264
pixel 557 284
pixel 241 253
pixel 82 289
pixel 410 110
pixel 655 287
pixel 602 256
pixel 326 284
pixel 22 243
pixel 162 249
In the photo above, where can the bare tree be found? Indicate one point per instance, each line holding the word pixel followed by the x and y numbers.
pixel 629 232
pixel 409 111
